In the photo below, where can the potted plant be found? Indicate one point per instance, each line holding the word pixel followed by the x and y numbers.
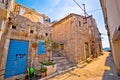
pixel 51 67
pixel 49 63
pixel 43 71
pixel 34 45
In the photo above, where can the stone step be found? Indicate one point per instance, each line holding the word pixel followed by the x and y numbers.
pixel 58 58
pixel 49 76
pixel 60 68
pixel 61 61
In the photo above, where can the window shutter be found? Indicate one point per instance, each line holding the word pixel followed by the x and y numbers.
pixel 41 48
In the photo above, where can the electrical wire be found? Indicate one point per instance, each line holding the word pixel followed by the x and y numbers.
pixel 80 6
pixel 95 10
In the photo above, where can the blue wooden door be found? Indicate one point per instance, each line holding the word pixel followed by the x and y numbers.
pixel 17 58
pixel 41 48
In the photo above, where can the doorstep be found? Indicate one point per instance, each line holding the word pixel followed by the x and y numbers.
pixel 57 73
pixel 61 72
pixel 49 76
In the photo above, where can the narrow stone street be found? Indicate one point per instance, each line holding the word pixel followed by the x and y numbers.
pixel 101 68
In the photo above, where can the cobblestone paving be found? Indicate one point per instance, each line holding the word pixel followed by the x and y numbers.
pixel 101 68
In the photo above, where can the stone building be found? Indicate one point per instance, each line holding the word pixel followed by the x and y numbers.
pixel 72 35
pixel 30 13
pixel 17 53
pixel 95 37
pixel 75 37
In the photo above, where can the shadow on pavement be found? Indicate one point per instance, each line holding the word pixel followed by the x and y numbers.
pixel 110 74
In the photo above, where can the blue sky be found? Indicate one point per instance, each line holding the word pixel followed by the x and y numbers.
pixel 57 9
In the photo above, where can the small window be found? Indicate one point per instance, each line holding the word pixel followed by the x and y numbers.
pixel 46 20
pixel 13 27
pixel 31 31
pixel 46 34
pixel 62 46
pixel 79 23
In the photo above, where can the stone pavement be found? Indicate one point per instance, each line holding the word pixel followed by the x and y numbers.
pixel 101 68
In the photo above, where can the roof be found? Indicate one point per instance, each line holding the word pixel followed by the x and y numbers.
pixel 68 16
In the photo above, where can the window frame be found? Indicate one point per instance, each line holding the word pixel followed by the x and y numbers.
pixel 62 46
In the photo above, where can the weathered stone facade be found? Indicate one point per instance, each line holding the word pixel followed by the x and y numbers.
pixel 22 27
pixel 95 37
pixel 19 29
pixel 78 38
pixel 30 13
pixel 73 33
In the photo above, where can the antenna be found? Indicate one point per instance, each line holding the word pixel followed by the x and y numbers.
pixel 83 9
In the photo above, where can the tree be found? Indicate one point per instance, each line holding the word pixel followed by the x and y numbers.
pixel 50 46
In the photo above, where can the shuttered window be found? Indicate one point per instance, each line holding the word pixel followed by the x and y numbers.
pixel 41 48
pixel 62 46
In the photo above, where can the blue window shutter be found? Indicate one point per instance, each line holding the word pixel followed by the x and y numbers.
pixel 41 48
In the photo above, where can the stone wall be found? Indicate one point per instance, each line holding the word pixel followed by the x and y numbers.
pixel 82 37
pixel 19 29
pixel 63 34
pixel 68 32
pixel 31 14
pixel 81 40
pixel 95 37
pixel 23 28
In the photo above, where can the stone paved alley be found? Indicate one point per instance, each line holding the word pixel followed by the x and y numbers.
pixel 101 68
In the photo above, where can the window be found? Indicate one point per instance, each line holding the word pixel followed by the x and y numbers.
pixel 41 48
pixel 13 27
pixel 31 31
pixel 41 19
pixel 79 23
pixel 62 46
pixel 46 34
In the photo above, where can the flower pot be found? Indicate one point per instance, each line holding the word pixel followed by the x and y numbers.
pixel 51 69
pixel 43 74
pixel 43 71
pixel 34 45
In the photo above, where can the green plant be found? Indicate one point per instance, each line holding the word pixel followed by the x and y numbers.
pixel 54 45
pixel 48 63
pixel 50 45
pixel 43 69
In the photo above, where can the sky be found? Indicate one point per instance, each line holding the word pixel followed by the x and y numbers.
pixel 57 9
